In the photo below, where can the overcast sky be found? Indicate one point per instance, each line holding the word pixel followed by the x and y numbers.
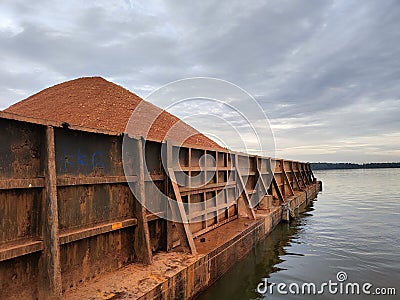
pixel 326 73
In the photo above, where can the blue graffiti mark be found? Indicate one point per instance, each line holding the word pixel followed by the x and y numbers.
pixel 76 162
pixel 81 160
pixel 97 160
pixel 67 161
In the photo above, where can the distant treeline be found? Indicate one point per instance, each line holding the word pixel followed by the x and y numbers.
pixel 331 166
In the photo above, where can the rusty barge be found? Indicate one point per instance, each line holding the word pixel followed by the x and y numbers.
pixel 71 227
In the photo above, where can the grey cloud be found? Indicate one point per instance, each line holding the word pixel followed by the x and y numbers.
pixel 330 67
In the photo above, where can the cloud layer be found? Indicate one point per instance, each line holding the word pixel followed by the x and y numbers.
pixel 326 73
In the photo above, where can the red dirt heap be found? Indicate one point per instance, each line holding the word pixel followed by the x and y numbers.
pixel 97 103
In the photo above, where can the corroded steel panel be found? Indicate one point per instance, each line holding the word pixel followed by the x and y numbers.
pixel 85 205
pixel 21 148
pixel 20 212
pixel 97 211
pixel 86 259
pixel 81 153
pixel 19 277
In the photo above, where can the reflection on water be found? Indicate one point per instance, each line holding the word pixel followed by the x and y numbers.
pixel 353 227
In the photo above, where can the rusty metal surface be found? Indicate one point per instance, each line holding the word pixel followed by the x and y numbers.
pixel 82 206
pixel 19 277
pixel 86 259
pixel 20 212
pixel 87 154
pixel 175 275
pixel 21 147
pixel 97 210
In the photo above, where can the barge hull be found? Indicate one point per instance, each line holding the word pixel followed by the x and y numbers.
pixel 177 275
pixel 69 218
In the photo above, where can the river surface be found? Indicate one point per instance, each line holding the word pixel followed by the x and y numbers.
pixel 352 231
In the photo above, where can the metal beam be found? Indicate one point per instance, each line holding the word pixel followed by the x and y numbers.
pixel 185 234
pixel 142 235
pixel 263 185
pixel 295 176
pixel 242 187
pixel 273 182
pixel 301 175
pixel 260 182
pixel 277 189
pixel 19 249
pixel 80 234
pixel 287 178
pixel 74 181
pixel 52 283
pixel 307 180
pixel 10 184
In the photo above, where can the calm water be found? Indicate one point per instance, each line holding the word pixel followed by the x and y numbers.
pixel 353 227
